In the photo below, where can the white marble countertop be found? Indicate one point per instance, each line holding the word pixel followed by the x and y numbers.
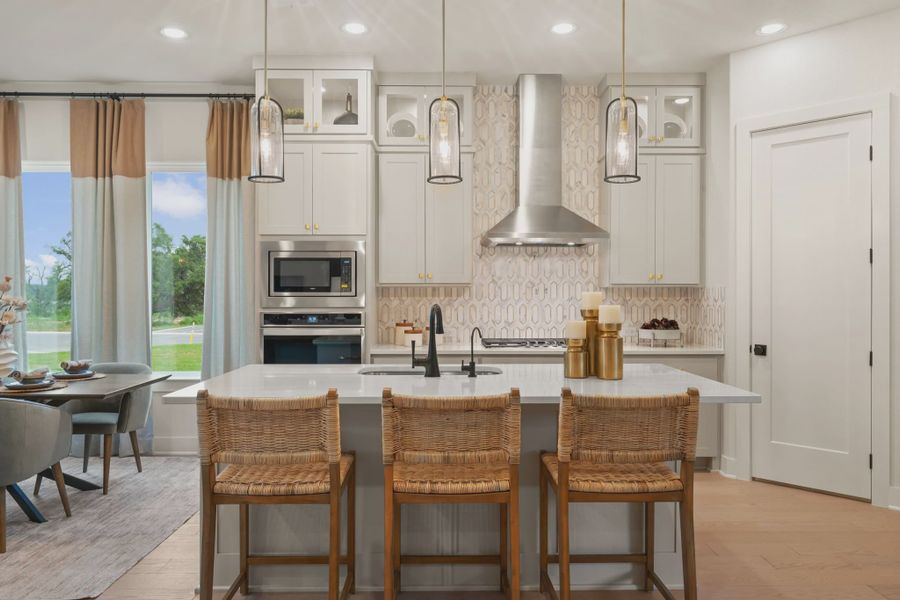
pixel 537 383
pixel 464 350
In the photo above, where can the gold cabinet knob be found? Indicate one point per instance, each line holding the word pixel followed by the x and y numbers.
pixel 651 277
pixel 429 276
pixel 307 226
pixel 661 139
pixel 421 276
pixel 316 125
pixel 659 277
pixel 306 126
pixel 316 226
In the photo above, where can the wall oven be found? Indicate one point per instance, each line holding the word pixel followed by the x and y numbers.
pixel 313 274
pixel 312 338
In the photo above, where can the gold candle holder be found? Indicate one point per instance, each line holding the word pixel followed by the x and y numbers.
pixel 576 359
pixel 592 338
pixel 611 351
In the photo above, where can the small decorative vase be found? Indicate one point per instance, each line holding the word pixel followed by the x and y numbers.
pixel 8 358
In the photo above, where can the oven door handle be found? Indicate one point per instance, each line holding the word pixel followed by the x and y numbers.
pixel 287 331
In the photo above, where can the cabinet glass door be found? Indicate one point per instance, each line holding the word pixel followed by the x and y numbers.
pixel 402 118
pixel 341 101
pixel 293 90
pixel 678 115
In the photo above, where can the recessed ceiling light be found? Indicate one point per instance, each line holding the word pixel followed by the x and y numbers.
pixel 563 28
pixel 682 100
pixel 173 33
pixel 771 29
pixel 354 28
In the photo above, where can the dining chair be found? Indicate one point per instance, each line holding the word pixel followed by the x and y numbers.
pixel 452 450
pixel 615 449
pixel 274 451
pixel 33 437
pixel 127 414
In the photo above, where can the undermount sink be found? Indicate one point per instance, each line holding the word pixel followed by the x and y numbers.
pixel 420 371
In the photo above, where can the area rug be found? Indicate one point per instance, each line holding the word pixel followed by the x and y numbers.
pixel 81 556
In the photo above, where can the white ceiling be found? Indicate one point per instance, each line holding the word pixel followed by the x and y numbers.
pixel 118 40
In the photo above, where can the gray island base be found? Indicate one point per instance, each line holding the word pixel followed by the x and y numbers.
pixel 449 529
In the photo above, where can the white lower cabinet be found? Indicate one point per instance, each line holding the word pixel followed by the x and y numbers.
pixel 655 223
pixel 425 230
pixel 325 192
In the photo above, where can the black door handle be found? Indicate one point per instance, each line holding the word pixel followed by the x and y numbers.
pixel 759 349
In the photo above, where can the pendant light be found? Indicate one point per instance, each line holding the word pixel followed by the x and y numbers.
pixel 443 125
pixel 621 132
pixel 266 125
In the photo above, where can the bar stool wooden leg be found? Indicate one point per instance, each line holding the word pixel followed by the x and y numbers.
pixel 562 510
pixel 388 532
pixel 245 546
pixel 649 551
pixel 351 527
pixel 686 514
pixel 395 556
pixel 504 547
pixel 515 583
pixel 334 544
pixel 207 537
pixel 542 482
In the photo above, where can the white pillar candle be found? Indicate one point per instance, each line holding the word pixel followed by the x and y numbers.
pixel 591 300
pixel 575 330
pixel 610 313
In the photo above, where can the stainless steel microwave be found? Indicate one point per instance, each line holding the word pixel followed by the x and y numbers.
pixel 313 274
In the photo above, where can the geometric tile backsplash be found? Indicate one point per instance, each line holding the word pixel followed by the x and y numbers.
pixel 532 292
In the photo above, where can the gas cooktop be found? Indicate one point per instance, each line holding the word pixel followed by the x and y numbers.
pixel 523 342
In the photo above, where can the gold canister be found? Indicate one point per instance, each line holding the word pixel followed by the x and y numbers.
pixel 576 359
pixel 592 338
pixel 611 351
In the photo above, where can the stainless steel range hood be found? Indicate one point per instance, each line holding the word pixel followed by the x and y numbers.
pixel 539 219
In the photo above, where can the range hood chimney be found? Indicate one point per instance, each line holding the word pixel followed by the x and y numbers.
pixel 539 219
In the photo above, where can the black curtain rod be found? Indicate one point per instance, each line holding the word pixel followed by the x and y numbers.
pixel 117 95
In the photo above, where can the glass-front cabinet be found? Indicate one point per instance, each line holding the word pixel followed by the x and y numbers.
pixel 668 116
pixel 403 113
pixel 329 102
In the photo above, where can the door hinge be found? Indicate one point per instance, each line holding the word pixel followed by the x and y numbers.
pixel 871 152
pixel 870 358
pixel 870 462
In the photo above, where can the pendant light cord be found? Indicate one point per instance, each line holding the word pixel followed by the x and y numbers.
pixel 266 47
pixel 443 48
pixel 623 52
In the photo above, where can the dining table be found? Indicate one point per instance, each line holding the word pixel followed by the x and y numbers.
pixel 110 386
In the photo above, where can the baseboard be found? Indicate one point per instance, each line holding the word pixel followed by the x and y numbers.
pixel 175 445
pixel 727 467
pixel 894 498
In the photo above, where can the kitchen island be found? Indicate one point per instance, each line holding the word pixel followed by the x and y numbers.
pixel 448 529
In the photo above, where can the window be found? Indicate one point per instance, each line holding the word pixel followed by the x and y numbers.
pixel 178 267
pixel 47 202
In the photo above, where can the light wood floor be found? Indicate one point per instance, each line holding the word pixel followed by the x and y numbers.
pixel 755 541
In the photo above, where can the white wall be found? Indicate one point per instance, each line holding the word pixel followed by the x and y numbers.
pixel 853 59
pixel 175 133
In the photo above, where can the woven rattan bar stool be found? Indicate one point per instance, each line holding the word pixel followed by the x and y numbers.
pixel 613 449
pixel 452 450
pixel 277 451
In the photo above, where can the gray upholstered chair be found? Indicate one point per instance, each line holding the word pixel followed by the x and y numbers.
pixel 127 414
pixel 33 437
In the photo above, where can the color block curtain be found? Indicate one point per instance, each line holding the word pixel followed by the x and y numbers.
pixel 12 239
pixel 229 319
pixel 110 296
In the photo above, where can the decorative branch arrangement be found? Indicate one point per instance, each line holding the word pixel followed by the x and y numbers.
pixel 10 307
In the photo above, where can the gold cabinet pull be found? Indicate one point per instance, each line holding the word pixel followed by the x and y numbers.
pixel 429 276
pixel 316 226
pixel 421 276
pixel 307 226
pixel 651 277
pixel 659 277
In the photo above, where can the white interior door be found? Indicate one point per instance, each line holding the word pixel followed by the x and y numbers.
pixel 811 304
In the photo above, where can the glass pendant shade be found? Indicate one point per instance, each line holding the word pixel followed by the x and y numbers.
pixel 266 141
pixel 443 126
pixel 621 142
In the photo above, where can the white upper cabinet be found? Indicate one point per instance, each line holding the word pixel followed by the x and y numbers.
pixel 325 191
pixel 315 101
pixel 403 113
pixel 340 188
pixel 425 230
pixel 668 116
pixel 655 223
